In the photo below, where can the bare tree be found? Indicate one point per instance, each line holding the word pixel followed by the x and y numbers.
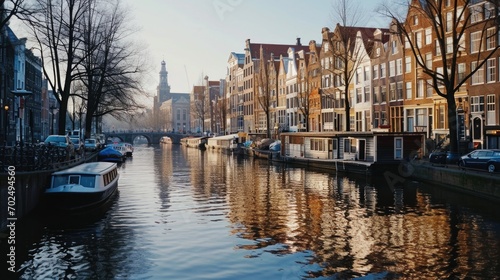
pixel 347 54
pixel 304 86
pixel 450 24
pixel 13 8
pixel 110 68
pixel 56 29
pixel 264 88
pixel 199 108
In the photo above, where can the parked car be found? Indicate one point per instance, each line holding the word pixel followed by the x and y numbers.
pixel 444 157
pixel 62 141
pixel 482 159
pixel 92 145
pixel 78 145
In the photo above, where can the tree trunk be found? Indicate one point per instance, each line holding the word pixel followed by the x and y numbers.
pixel 63 110
pixel 452 123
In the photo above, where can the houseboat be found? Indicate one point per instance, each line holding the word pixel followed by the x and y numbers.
pixel 195 142
pixel 82 186
pixel 358 152
pixel 225 143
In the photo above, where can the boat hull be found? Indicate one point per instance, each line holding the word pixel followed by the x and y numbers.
pixel 74 201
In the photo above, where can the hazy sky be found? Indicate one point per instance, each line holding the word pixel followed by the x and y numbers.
pixel 196 37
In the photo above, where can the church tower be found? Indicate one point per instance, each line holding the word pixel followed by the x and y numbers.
pixel 163 89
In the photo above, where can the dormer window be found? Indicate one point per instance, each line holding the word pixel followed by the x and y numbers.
pixel 377 52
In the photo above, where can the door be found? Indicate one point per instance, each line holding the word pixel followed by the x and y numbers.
pixel 361 149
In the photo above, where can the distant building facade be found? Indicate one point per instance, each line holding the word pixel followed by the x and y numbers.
pixel 171 111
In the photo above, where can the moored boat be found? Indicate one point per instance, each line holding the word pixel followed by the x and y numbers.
pixel 112 154
pixel 82 186
pixel 128 149
pixel 165 140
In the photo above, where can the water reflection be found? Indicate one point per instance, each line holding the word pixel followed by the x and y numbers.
pixel 187 214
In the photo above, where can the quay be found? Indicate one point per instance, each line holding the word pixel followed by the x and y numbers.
pixel 29 179
pixel 474 182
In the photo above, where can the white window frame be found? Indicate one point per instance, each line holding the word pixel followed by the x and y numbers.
pixel 491 70
pixel 428 36
pixel 408 64
pixel 398 147
pixel 475 42
pixel 490 110
pixel 478 76
pixel 409 93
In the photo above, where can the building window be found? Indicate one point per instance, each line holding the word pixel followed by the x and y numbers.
pixel 428 60
pixel 375 72
pixel 359 97
pixel 476 14
pixel 399 90
pixel 394 47
pixel 359 121
pixel 461 71
pixel 490 70
pixel 441 113
pixel 478 76
pixel 490 38
pixel 392 91
pixel 409 94
pixel 449 45
pixel 477 104
pixel 475 42
pixel 490 110
pixel 367 73
pixel 318 145
pixel 408 64
pixel 428 36
pixel 349 145
pixel 383 94
pixel 367 94
pixel 392 68
pixel 449 21
pixel 398 148
pixel 375 95
pixel 399 66
pixel 430 89
pixel 382 70
pixel 420 88
pixel 418 39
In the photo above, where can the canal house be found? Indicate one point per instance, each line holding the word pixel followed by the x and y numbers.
pixel 361 152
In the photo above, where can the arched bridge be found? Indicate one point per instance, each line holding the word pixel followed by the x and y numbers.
pixel 152 137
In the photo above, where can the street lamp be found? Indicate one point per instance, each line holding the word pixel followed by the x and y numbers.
pixel 6 120
pixel 52 111
pixel 21 93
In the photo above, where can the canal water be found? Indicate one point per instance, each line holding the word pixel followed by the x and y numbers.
pixel 188 214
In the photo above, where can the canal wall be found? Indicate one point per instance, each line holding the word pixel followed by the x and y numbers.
pixel 17 202
pixel 477 183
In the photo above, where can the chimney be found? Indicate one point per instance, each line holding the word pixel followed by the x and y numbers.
pixel 298 42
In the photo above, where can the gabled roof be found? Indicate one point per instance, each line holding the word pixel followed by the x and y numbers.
pixel 367 34
pixel 275 49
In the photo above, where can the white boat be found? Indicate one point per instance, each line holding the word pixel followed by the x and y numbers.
pixel 129 149
pixel 82 186
pixel 165 140
pixel 224 142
